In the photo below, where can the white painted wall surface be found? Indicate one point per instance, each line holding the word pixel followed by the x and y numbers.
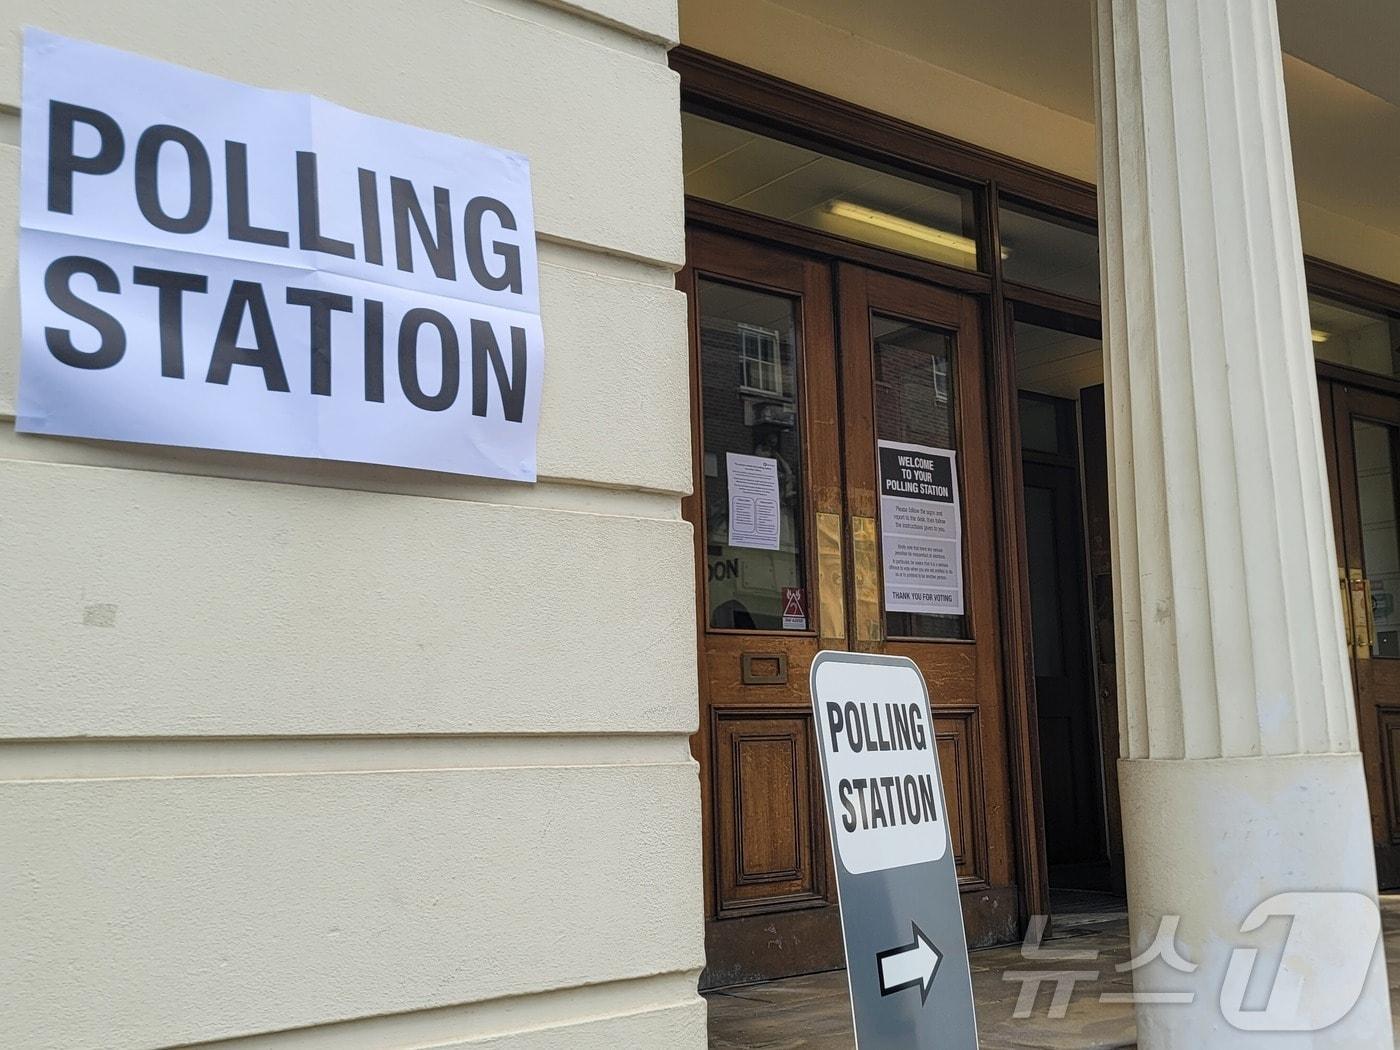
pixel 317 755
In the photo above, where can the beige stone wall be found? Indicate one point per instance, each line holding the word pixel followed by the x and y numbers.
pixel 317 754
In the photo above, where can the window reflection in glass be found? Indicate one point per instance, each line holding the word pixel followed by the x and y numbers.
pixel 915 393
pixel 748 376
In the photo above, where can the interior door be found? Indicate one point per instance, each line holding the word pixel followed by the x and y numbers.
pixel 767 510
pixel 1362 433
pixel 912 370
pixel 1066 701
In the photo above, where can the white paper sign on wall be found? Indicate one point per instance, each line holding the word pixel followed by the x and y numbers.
pixel 210 264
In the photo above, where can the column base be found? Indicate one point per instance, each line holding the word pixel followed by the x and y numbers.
pixel 1211 840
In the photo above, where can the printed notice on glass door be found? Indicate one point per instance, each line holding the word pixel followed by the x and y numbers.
pixel 753 501
pixel 921 529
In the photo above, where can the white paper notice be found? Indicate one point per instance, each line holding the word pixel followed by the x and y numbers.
pixel 753 501
pixel 209 264
pixel 920 529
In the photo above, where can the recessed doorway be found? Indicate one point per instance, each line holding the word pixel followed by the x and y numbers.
pixel 804 368
pixel 1059 369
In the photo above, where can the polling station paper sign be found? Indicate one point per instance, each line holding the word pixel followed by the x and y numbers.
pixel 210 264
pixel 896 876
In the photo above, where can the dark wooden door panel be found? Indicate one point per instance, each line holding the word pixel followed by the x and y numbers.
pixel 959 752
pixel 1390 764
pixel 1361 436
pixel 767 840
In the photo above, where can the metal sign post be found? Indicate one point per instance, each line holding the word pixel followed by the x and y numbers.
pixel 901 915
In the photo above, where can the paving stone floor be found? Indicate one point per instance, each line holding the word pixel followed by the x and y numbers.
pixel 814 1013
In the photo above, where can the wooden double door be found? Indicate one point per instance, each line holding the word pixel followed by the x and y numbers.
pixel 1361 435
pixel 801 367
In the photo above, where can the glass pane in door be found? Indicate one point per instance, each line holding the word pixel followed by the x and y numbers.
pixel 752 464
pixel 1380 537
pixel 915 404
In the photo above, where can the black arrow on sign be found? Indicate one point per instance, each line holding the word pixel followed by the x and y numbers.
pixel 909 966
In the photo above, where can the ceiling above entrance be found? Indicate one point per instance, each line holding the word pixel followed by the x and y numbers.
pixel 1342 79
pixel 1040 49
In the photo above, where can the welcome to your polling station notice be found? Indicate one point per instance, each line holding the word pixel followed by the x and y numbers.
pixel 921 529
pixel 210 264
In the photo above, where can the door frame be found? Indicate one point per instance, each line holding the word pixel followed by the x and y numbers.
pixel 993 901
pixel 814 923
pixel 1342 404
pixel 736 94
pixel 1061 474
pixel 999 380
pixel 999 390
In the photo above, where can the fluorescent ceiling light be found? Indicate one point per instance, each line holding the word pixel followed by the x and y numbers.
pixel 1319 336
pixel 904 227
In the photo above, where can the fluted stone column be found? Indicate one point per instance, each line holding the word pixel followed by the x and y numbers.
pixel 1240 774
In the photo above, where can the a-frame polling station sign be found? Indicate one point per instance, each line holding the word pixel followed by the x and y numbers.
pixel 906 952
